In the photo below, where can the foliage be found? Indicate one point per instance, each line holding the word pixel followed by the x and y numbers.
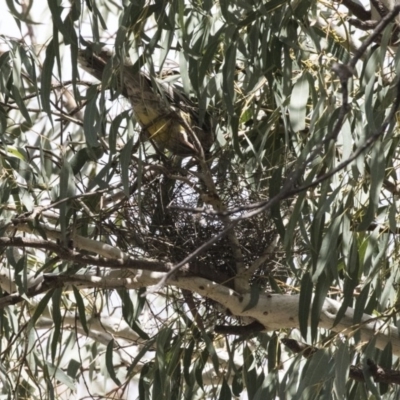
pixel 127 272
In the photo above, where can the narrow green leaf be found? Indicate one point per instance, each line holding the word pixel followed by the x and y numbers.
pixel 158 385
pixel 274 353
pixel 378 164
pixel 162 343
pixel 82 156
pixel 342 366
pixel 208 56
pixel 254 297
pixel 144 382
pixel 274 188
pixel 262 391
pixel 187 362
pixel 67 189
pixel 81 309
pixel 306 291
pixel 125 160
pixel 98 15
pixel 198 368
pixel 138 329
pixel 249 372
pixel 211 350
pixel 91 119
pixel 328 247
pixel 350 283
pixel 21 274
pixel 73 368
pixel 67 182
pixel 359 309
pixel 103 178
pixel 229 70
pixel 385 361
pixel 225 392
pixel 237 384
pixel 318 370
pixel 109 362
pixel 21 105
pixel 114 128
pixel 59 375
pixel 40 308
pixel 57 319
pixel 321 290
pixel 47 74
pixel 174 357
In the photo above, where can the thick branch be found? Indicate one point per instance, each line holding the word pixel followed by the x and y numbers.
pixel 273 311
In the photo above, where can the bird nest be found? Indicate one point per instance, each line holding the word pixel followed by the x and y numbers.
pixel 163 220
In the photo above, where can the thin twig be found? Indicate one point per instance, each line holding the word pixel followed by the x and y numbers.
pixel 70 254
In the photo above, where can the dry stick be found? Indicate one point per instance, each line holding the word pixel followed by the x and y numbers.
pixel 30 215
pixel 53 87
pixel 38 110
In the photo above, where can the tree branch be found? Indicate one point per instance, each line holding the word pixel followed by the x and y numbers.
pixel 69 254
pixel 273 311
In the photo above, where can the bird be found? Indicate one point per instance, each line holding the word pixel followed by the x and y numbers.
pixel 167 116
